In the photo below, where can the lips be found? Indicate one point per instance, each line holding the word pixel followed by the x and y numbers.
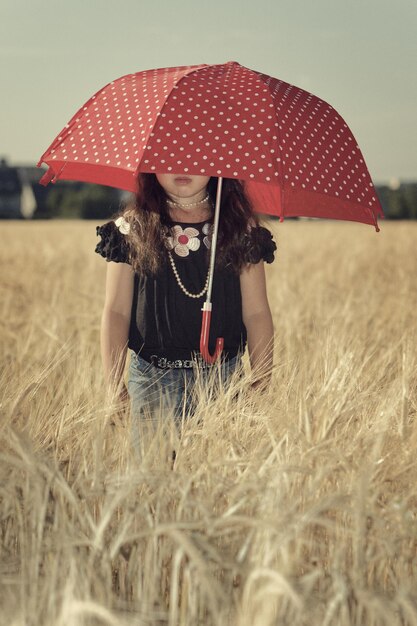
pixel 182 180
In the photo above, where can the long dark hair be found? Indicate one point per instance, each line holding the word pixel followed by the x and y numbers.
pixel 149 221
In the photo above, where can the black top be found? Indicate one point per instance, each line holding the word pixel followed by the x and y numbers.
pixel 165 322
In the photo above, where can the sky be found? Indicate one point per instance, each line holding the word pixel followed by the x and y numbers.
pixel 358 55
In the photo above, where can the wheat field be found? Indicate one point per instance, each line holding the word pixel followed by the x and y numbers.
pixel 293 507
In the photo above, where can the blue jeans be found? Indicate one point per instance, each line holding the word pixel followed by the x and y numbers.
pixel 168 394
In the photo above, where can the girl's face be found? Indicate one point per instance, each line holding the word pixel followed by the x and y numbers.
pixel 179 186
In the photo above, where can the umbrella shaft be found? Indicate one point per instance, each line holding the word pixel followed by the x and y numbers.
pixel 214 238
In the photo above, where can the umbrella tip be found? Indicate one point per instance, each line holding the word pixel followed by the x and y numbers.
pixel 47 177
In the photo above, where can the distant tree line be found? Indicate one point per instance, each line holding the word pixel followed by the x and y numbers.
pixel 399 203
pixel 79 200
pixel 86 201
pixel 21 195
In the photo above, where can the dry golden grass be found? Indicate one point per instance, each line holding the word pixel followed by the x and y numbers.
pixel 294 508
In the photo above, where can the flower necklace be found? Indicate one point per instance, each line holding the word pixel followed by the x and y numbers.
pixel 195 246
pixel 171 259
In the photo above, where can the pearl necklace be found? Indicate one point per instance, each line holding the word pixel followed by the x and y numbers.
pixel 178 279
pixel 203 201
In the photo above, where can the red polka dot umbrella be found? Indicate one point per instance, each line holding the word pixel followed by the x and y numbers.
pixel 293 150
pixel 296 153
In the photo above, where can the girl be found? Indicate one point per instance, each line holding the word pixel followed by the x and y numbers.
pixel 158 252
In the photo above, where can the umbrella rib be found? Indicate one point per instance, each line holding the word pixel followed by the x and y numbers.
pixel 281 183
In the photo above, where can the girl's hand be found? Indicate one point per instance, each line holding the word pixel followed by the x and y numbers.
pixel 123 394
pixel 117 402
pixel 119 395
pixel 261 384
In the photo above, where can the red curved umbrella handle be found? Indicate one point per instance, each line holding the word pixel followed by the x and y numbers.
pixel 204 337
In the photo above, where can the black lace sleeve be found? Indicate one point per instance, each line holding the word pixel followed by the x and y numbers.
pixel 113 245
pixel 259 245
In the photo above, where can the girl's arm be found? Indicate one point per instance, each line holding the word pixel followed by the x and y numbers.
pixel 115 323
pixel 258 321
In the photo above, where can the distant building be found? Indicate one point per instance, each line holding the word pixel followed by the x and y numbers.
pixel 20 195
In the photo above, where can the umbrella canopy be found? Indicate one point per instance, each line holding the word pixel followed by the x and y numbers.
pixel 293 150
pixel 295 153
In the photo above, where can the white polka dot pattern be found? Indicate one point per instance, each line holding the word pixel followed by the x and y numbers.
pixel 294 150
